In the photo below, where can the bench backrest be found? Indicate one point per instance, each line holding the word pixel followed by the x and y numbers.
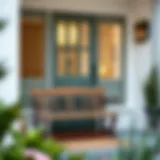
pixel 60 103
pixel 67 91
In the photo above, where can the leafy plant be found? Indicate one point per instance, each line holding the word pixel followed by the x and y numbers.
pixel 2 71
pixel 138 150
pixel 76 157
pixel 46 145
pixel 2 24
pixel 7 116
pixel 8 113
pixel 2 68
pixel 32 139
pixel 151 89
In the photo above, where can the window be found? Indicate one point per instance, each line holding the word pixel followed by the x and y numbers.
pixel 109 50
pixel 32 48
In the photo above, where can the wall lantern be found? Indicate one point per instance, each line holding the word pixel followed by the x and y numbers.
pixel 141 31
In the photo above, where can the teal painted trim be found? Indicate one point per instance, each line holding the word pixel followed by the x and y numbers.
pixel 31 13
pixel 54 48
pixel 87 16
pixel 124 61
pixel 94 58
pixel 49 58
pixel 27 85
pixel 72 81
pixel 48 45
pixel 69 80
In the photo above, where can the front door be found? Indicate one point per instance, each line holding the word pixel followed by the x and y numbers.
pixel 73 59
pixel 90 51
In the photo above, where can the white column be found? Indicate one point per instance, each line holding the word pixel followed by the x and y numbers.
pixel 9 50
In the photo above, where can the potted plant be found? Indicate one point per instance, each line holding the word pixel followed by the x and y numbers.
pixel 151 98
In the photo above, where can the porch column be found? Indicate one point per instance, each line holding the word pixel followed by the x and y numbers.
pixel 9 50
pixel 156 40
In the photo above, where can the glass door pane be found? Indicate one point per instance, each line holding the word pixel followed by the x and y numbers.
pixel 84 28
pixel 84 63
pixel 84 54
pixel 72 34
pixel 61 33
pixel 109 50
pixel 73 63
pixel 61 62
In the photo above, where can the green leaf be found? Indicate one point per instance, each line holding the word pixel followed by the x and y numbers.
pixel 3 71
pixel 8 113
pixel 76 157
pixel 151 89
pixel 2 24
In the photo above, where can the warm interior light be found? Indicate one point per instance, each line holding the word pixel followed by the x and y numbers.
pixel 73 33
pixel 61 36
pixel 109 53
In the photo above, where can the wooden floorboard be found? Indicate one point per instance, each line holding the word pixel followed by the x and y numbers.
pixel 90 143
pixel 86 140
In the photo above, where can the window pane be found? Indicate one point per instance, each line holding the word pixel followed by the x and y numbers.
pixel 61 33
pixel 61 63
pixel 84 34
pixel 84 63
pixel 109 38
pixel 73 33
pixel 73 63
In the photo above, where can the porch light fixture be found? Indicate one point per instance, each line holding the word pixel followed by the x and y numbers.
pixel 141 31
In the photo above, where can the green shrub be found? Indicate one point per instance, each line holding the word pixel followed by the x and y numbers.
pixel 33 139
pixel 151 89
pixel 76 157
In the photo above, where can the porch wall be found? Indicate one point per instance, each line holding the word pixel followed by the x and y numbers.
pixel 82 6
pixel 144 55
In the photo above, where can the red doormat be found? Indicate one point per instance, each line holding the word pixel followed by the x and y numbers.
pixel 82 134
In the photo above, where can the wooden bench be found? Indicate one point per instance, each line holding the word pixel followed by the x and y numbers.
pixel 69 105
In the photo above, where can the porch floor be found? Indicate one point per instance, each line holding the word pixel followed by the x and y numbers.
pixel 90 143
pixel 87 140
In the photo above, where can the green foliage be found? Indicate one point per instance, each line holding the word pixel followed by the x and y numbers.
pixel 3 71
pixel 2 24
pixel 136 152
pixel 34 139
pixel 14 152
pixel 46 145
pixel 51 148
pixel 2 68
pixel 140 149
pixel 151 89
pixel 7 115
pixel 76 157
pixel 147 153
